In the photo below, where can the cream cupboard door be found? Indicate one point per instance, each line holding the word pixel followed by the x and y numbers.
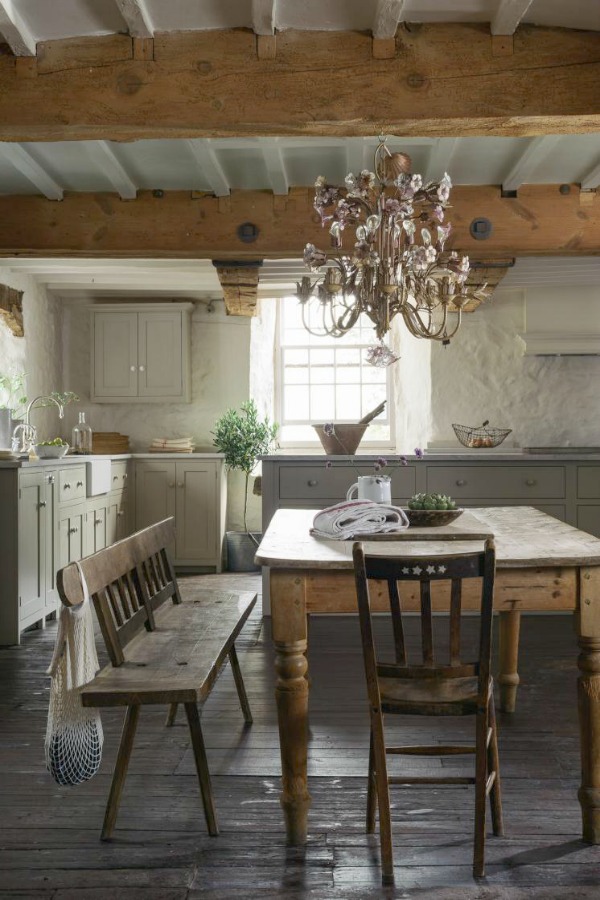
pixel 32 547
pixel 196 512
pixel 71 534
pixel 115 355
pixel 154 492
pixel 160 354
pixel 51 529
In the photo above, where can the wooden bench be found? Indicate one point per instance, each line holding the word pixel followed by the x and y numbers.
pixel 160 651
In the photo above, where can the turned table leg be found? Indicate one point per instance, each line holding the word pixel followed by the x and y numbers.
pixel 588 692
pixel 288 611
pixel 508 677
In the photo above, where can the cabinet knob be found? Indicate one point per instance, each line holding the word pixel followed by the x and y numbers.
pixel 142 368
pixel 50 479
pixel 121 512
pixel 97 521
pixel 73 530
pixel 180 484
pixel 530 482
pixel 132 368
pixel 312 482
pixel 460 482
pixel 125 476
pixel 41 504
pixel 171 484
pixel 115 477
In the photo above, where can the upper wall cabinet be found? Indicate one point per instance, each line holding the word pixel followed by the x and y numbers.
pixel 141 353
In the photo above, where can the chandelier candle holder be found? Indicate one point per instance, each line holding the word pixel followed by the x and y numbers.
pixel 397 264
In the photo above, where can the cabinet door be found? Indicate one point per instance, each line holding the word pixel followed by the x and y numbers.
pixel 97 527
pixel 118 517
pixel 196 515
pixel 32 548
pixel 154 492
pixel 161 355
pixel 115 371
pixel 71 525
pixel 50 528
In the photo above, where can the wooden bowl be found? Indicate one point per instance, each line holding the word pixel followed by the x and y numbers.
pixel 344 440
pixel 427 518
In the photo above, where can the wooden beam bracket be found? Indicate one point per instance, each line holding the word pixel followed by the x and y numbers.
pixel 266 46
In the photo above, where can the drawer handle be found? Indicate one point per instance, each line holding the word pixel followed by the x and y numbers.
pixel 124 476
pixel 41 504
pixel 66 486
pixel 313 482
pixel 530 482
pixel 73 530
pixel 460 482
pixel 80 484
pixel 115 477
pixel 97 521
pixel 171 484
pixel 132 368
pixel 50 479
pixel 142 368
pixel 180 484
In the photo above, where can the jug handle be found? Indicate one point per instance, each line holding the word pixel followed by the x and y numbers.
pixel 351 490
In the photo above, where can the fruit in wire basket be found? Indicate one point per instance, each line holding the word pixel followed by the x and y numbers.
pixel 431 501
pixel 482 436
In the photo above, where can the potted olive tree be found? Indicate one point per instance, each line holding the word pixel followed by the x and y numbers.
pixel 243 437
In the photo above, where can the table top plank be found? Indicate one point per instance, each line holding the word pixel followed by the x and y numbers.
pixel 524 537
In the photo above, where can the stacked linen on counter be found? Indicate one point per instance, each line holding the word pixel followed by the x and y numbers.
pixel 345 520
pixel 172 445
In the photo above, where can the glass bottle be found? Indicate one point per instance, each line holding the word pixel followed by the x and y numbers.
pixel 81 441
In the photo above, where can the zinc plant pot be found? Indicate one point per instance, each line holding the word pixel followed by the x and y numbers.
pixel 241 550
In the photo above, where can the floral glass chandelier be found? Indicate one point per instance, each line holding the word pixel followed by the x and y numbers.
pixel 397 264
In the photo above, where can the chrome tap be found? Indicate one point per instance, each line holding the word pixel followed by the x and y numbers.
pixel 26 430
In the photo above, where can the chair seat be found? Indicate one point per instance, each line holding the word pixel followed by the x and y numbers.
pixel 429 696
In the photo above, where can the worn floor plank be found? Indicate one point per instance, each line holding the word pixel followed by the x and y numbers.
pixel 49 836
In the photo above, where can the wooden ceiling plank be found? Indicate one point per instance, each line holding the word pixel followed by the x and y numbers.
pixel 388 15
pixel 263 16
pixel 591 180
pixel 210 167
pixel 22 160
pixel 274 161
pixel 444 82
pixel 137 17
pixel 535 152
pixel 440 158
pixel 508 15
pixel 103 156
pixel 17 33
pixel 541 221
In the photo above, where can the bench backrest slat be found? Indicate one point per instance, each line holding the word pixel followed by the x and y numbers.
pixel 127 583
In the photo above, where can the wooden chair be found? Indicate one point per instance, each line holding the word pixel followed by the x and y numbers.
pixel 428 687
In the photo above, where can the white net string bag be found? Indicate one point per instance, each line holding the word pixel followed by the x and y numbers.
pixel 74 734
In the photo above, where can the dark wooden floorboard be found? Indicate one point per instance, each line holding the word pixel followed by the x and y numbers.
pixel 49 836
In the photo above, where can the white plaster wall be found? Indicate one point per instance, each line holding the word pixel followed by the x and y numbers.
pixel 412 388
pixel 38 353
pixel 485 375
pixel 220 380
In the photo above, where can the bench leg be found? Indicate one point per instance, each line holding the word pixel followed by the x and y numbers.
pixel 118 780
pixel 240 686
pixel 171 715
pixel 191 711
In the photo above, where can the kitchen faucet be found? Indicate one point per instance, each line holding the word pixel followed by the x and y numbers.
pixel 26 431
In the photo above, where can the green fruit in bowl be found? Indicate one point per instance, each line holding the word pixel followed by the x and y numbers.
pixel 57 442
pixel 431 502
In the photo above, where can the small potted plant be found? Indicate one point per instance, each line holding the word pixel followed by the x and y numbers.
pixel 242 437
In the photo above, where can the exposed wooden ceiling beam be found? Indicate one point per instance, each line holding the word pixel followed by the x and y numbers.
pixel 508 15
pixel 240 286
pixel 179 224
pixel 388 14
pixel 16 32
pixel 137 17
pixel 22 160
pixel 534 153
pixel 210 167
pixel 103 156
pixel 444 81
pixel 263 16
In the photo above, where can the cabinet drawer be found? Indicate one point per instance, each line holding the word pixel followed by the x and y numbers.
pixel 118 475
pixel 71 484
pixel 320 483
pixel 497 482
pixel 588 483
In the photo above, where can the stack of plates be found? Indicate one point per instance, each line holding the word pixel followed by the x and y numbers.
pixel 5 453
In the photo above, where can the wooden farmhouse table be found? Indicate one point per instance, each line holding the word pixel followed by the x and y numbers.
pixel 543 565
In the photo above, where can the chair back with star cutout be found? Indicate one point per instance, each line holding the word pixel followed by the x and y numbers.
pixel 426 584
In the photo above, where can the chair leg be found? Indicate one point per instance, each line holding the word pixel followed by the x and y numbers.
pixel 171 715
pixel 383 799
pixel 481 769
pixel 240 686
pixel 493 762
pixel 121 765
pixel 191 711
pixel 371 789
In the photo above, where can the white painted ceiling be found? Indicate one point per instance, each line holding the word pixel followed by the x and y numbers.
pixel 219 166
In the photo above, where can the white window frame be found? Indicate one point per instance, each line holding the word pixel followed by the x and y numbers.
pixel 376 445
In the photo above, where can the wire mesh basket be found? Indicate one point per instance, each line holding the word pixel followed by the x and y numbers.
pixel 482 436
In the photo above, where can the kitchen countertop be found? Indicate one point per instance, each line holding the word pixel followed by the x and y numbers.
pixel 458 455
pixel 78 459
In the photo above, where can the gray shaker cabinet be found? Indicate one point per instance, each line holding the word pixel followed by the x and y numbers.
pixel 141 353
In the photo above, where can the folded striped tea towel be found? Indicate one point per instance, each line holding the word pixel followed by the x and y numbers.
pixel 345 520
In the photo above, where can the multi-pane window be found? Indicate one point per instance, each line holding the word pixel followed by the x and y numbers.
pixel 325 379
